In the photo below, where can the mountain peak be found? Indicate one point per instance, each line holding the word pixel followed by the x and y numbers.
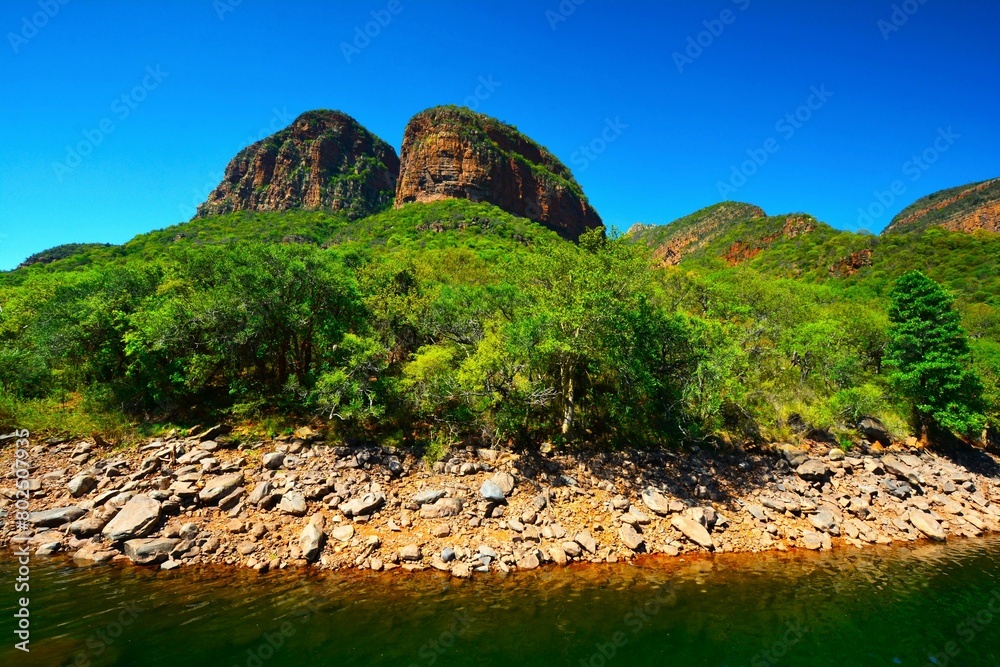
pixel 455 153
pixel 324 160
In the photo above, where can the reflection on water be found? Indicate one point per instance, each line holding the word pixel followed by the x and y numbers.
pixel 893 606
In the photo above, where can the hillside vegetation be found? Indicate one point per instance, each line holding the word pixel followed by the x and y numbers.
pixel 457 322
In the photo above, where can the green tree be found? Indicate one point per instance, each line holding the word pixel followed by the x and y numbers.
pixel 929 357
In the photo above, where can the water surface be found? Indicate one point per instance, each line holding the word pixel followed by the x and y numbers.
pixel 887 606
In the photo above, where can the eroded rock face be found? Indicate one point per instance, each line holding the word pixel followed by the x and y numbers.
pixel 967 208
pixel 455 153
pixel 323 160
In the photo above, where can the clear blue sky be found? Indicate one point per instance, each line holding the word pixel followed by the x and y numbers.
pixel 199 87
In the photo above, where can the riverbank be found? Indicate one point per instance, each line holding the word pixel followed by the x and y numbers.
pixel 295 501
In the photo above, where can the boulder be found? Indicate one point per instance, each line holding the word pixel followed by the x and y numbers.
pixel 927 525
pixel 217 488
pixel 630 537
pixel 428 496
pixel 138 518
pixel 823 519
pixel 442 509
pixel 343 533
pixel 656 501
pixel 150 550
pixel 693 530
pixel 873 430
pixel 273 460
pixel 311 541
pixel 81 485
pixel 899 469
pixel 813 470
pixel 363 506
pixel 505 481
pixel 55 517
pixel 586 540
pixel 492 492
pixel 293 503
pixel 411 553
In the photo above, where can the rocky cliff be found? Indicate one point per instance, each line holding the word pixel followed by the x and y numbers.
pixel 674 241
pixel 968 208
pixel 323 160
pixel 455 153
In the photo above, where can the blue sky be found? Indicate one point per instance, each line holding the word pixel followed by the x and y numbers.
pixel 160 95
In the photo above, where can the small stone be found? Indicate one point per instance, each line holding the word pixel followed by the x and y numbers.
pixel 81 485
pixel 492 492
pixel 311 541
pixel 572 549
pixel 812 541
pixel 428 496
pixel 273 461
pixel 528 561
pixel 656 501
pixel 411 552
pixel 343 533
pixel 630 537
pixel 927 525
pixel 505 482
pixel 441 530
pixel 813 470
pixel 693 530
pixel 447 554
pixel 586 540
pixel 557 554
pixel 293 503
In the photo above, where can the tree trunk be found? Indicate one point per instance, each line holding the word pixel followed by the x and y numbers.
pixel 569 406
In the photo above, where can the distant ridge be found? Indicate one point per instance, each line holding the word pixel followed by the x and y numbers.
pixel 967 208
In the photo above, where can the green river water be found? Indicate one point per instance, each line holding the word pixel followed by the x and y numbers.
pixel 916 605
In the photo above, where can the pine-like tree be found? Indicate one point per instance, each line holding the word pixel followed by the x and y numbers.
pixel 928 357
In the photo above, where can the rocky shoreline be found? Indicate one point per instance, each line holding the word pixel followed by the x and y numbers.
pixel 296 501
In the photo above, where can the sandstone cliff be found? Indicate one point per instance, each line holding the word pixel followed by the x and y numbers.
pixel 323 160
pixel 673 241
pixel 967 208
pixel 454 153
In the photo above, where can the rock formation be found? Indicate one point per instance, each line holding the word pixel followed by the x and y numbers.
pixel 676 240
pixel 454 153
pixel 967 208
pixel 323 160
